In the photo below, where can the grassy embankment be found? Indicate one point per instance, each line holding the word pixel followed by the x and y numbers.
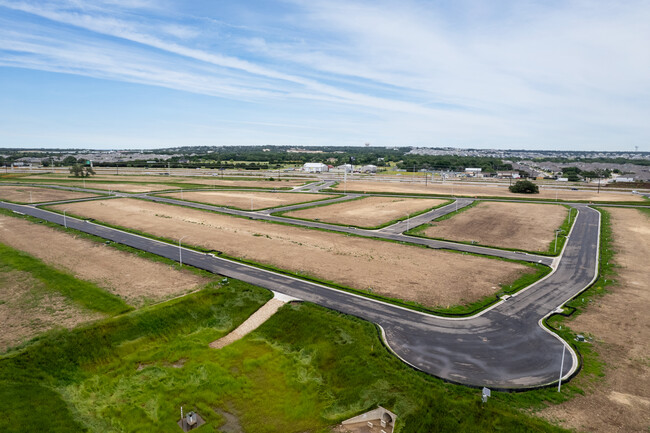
pixel 305 369
pixel 82 293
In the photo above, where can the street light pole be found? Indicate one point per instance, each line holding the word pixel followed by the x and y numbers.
pixel 180 250
pixel 555 249
pixel 407 222
pixel 65 222
pixel 559 384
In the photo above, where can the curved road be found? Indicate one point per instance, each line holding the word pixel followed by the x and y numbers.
pixel 503 347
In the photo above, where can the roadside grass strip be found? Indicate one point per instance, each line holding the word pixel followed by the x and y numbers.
pixel 83 293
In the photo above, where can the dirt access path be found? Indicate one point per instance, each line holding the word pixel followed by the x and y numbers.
pixel 366 212
pixel 244 199
pixel 522 226
pixel 620 325
pixel 431 277
pixel 27 309
pixel 485 190
pixel 138 281
pixel 21 194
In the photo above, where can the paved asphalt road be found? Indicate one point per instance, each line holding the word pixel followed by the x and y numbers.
pixel 503 348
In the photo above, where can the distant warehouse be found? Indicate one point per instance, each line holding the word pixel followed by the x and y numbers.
pixel 315 167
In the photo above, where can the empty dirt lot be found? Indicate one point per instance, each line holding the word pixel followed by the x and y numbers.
pixel 523 226
pixel 244 199
pixel 485 190
pixel 27 309
pixel 200 180
pixel 21 194
pixel 394 270
pixel 620 326
pixel 138 281
pixel 366 212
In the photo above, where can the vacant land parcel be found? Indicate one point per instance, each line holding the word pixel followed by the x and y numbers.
pixel 522 226
pixel 485 190
pixel 30 194
pixel 198 180
pixel 619 324
pixel 136 280
pixel 249 200
pixel 389 269
pixel 366 212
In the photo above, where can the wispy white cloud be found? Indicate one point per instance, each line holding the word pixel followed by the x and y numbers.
pixel 511 72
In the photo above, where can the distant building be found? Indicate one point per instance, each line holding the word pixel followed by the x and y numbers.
pixel 369 168
pixel 624 179
pixel 314 167
pixel 473 172
pixel 508 174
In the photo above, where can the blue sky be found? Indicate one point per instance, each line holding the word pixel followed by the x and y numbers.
pixel 160 73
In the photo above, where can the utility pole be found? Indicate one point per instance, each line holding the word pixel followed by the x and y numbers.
pixel 180 250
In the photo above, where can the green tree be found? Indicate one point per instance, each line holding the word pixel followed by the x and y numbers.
pixel 79 170
pixel 524 187
pixel 69 160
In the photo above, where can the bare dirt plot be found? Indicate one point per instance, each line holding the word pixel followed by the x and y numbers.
pixel 485 190
pixel 138 281
pixel 21 194
pixel 390 269
pixel 524 226
pixel 27 309
pixel 244 199
pixel 620 326
pixel 366 212
pixel 124 187
pixel 201 180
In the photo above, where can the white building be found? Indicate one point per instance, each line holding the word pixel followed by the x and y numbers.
pixel 369 168
pixel 314 167
pixel 474 172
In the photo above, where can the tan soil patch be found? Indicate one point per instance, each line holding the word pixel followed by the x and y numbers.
pixel 27 309
pixel 508 225
pixel 252 323
pixel 21 194
pixel 242 199
pixel 366 212
pixel 138 281
pixel 124 187
pixel 431 277
pixel 202 180
pixel 620 326
pixel 485 190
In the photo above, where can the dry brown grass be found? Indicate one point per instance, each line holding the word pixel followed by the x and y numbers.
pixel 620 326
pixel 21 194
pixel 431 277
pixel 139 281
pixel 27 309
pixel 485 190
pixel 243 199
pixel 366 212
pixel 523 226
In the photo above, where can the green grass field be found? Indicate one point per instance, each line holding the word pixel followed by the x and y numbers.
pixel 305 369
